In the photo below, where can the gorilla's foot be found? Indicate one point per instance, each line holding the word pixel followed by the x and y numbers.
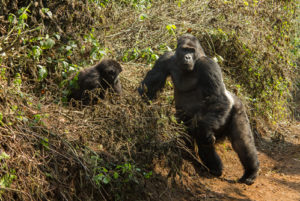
pixel 215 167
pixel 216 172
pixel 248 178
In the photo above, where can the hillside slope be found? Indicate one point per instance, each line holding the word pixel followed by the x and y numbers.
pixel 123 148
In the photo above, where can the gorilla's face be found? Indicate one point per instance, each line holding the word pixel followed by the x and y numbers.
pixel 111 75
pixel 186 58
pixel 187 52
pixel 109 71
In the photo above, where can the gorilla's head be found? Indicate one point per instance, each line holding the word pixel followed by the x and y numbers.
pixel 188 51
pixel 109 70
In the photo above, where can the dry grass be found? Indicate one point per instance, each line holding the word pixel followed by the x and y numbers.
pixel 58 156
pixel 55 151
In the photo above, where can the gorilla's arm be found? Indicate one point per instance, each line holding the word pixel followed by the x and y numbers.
pixel 156 78
pixel 210 78
pixel 117 87
pixel 218 102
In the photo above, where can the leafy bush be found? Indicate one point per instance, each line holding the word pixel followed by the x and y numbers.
pixel 109 150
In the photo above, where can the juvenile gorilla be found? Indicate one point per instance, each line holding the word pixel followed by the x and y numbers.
pixel 202 102
pixel 102 76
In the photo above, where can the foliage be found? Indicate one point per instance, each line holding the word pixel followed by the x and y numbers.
pixel 9 176
pixel 51 151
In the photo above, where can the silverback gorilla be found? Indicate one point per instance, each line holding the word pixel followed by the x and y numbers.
pixel 202 102
pixel 102 76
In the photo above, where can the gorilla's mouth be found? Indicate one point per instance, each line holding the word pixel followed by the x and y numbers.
pixel 188 66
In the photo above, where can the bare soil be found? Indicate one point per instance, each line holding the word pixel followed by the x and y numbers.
pixel 278 180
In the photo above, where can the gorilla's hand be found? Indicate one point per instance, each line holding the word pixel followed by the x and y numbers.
pixel 141 90
pixel 210 138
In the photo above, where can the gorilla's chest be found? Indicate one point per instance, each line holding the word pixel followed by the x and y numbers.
pixel 184 82
pixel 189 96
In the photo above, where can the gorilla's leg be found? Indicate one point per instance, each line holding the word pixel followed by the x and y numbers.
pixel 243 143
pixel 210 158
pixel 205 140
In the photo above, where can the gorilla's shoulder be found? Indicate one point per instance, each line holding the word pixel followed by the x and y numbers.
pixel 208 63
pixel 206 59
pixel 166 56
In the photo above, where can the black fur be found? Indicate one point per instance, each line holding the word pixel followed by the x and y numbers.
pixel 100 77
pixel 204 105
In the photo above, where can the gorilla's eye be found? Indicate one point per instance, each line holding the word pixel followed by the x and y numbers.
pixel 111 72
pixel 192 50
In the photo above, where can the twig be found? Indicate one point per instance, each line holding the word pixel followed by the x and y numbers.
pixel 8 35
pixel 16 190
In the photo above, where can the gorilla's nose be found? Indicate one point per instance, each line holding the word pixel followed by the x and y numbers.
pixel 187 57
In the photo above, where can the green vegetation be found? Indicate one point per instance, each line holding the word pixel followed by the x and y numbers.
pixel 50 150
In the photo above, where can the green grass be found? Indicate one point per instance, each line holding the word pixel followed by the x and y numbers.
pixel 108 150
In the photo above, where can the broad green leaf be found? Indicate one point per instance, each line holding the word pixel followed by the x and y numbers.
pixel 42 72
pixel 116 175
pixel 106 180
pixel 47 44
pixel 4 155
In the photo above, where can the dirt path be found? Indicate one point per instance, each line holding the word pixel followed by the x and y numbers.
pixel 279 176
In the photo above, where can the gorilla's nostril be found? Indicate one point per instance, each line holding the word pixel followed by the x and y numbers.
pixel 188 57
